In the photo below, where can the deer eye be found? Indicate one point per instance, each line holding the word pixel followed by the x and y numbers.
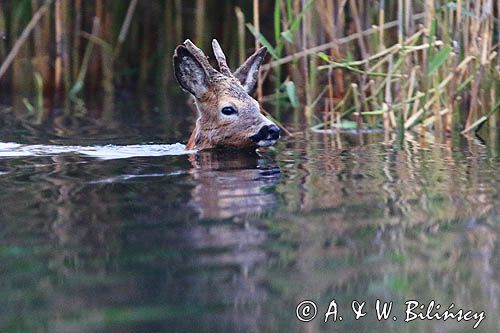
pixel 229 111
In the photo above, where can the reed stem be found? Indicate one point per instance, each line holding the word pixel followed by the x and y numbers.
pixel 24 36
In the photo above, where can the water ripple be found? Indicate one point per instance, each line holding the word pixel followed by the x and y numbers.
pixel 106 152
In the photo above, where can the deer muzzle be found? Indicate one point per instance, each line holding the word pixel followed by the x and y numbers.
pixel 267 135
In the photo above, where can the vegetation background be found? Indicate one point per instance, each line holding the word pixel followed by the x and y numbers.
pixel 425 65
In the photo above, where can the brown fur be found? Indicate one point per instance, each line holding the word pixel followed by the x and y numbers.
pixel 214 91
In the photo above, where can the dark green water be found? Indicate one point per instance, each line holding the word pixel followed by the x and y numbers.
pixel 233 242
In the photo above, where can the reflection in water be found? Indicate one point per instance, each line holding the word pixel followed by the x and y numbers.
pixel 414 223
pixel 233 183
pixel 232 242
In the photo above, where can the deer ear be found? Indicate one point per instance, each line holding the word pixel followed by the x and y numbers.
pixel 249 70
pixel 189 72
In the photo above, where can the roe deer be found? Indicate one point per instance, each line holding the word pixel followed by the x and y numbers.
pixel 227 115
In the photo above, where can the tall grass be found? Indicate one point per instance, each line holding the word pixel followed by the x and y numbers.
pixel 425 65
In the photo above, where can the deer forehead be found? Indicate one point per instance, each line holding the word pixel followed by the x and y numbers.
pixel 229 92
pixel 228 86
pixel 243 104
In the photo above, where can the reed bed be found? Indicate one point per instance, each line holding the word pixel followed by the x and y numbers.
pixel 425 65
pixel 398 65
pixel 438 71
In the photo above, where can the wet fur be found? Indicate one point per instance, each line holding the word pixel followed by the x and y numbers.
pixel 213 91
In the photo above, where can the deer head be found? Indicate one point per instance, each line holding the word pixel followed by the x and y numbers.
pixel 227 115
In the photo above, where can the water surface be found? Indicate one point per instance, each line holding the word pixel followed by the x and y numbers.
pixel 232 242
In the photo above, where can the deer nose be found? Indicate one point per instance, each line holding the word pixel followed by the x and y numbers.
pixel 273 132
pixel 267 132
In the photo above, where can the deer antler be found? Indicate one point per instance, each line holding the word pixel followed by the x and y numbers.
pixel 221 59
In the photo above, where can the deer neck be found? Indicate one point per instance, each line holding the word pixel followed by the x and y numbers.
pixel 198 140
